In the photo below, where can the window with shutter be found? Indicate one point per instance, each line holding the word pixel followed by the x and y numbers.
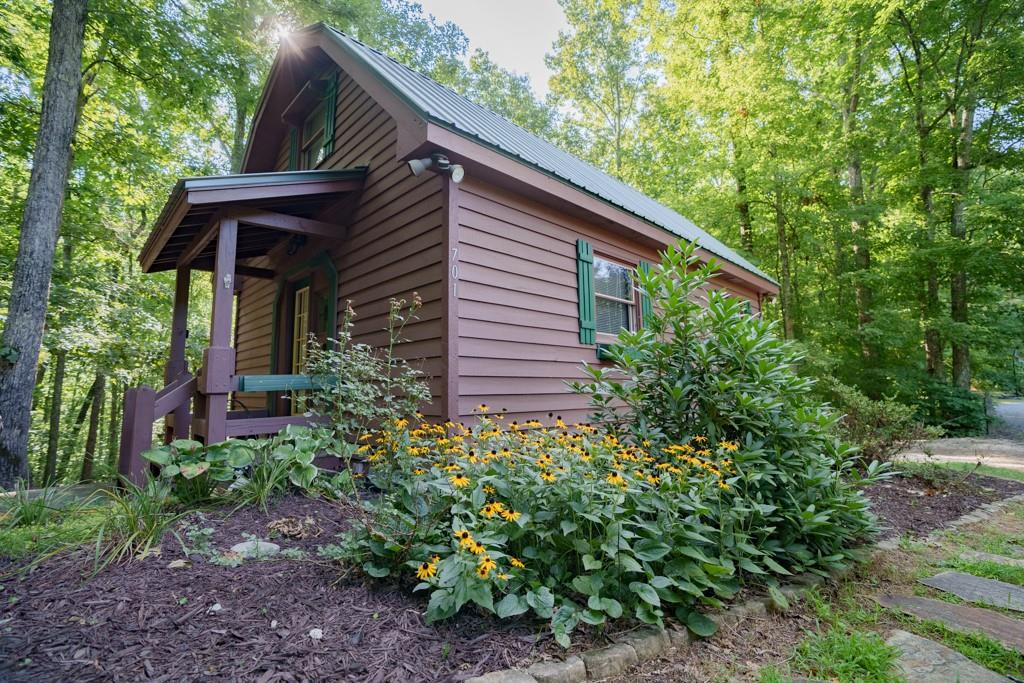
pixel 646 308
pixel 585 290
pixel 615 297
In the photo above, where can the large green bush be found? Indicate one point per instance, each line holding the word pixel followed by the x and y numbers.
pixel 880 428
pixel 711 465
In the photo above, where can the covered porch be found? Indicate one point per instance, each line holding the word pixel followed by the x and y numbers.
pixel 227 226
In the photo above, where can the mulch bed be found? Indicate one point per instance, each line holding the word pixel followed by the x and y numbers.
pixel 151 621
pixel 916 505
pixel 148 621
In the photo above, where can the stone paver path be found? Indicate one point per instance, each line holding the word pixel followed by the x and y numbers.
pixel 962 618
pixel 925 661
pixel 976 589
pixel 989 557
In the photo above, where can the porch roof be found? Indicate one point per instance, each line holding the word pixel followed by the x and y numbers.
pixel 195 204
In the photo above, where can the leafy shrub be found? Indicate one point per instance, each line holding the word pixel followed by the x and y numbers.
pixel 28 508
pixel 358 385
pixel 958 412
pixel 582 527
pixel 712 464
pixel 193 470
pixel 136 522
pixel 881 429
pixel 287 458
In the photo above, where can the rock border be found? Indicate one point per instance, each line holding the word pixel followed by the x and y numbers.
pixel 646 643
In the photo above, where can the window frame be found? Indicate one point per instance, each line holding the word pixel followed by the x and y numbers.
pixel 311 147
pixel 633 302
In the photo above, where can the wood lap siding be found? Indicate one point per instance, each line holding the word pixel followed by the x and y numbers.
pixel 392 247
pixel 252 345
pixel 518 312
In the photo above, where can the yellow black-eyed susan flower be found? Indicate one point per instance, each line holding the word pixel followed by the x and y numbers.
pixel 510 516
pixel 477 548
pixel 459 481
pixel 425 571
pixel 616 479
pixel 464 538
pixel 517 563
pixel 548 476
pixel 488 511
pixel 485 566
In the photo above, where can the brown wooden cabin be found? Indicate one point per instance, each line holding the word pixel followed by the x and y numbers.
pixel 523 266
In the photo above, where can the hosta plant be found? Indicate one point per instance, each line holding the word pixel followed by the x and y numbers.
pixel 709 466
pixel 194 470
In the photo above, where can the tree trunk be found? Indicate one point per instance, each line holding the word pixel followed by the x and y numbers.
pixel 56 398
pixel 859 225
pixel 785 277
pixel 71 445
pixel 743 205
pixel 40 225
pixel 92 438
pixel 113 431
pixel 963 122
pixel 930 306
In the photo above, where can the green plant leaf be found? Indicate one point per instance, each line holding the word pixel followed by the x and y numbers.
pixel 646 593
pixel 510 606
pixel 160 456
pixel 778 598
pixel 700 624
pixel 542 601
pixel 194 469
pixel 376 571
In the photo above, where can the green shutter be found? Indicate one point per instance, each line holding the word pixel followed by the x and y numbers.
pixel 646 309
pixel 330 109
pixel 293 148
pixel 585 289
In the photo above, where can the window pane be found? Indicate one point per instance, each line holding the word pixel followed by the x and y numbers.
pixel 612 316
pixel 612 279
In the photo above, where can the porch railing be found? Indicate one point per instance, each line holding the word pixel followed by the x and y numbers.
pixel 143 406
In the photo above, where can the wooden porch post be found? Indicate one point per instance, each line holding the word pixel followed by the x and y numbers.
pixel 176 358
pixel 219 359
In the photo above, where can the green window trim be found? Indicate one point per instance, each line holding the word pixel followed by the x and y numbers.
pixel 646 307
pixel 330 112
pixel 293 148
pixel 585 291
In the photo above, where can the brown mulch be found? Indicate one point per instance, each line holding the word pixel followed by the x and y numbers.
pixel 151 621
pixel 915 505
pixel 148 621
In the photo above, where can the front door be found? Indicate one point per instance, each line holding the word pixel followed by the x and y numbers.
pixel 304 312
pixel 300 338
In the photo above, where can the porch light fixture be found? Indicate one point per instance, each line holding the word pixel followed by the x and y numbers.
pixel 439 163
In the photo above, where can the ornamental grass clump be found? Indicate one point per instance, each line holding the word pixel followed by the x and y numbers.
pixel 714 470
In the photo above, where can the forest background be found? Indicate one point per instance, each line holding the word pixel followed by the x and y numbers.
pixel 865 154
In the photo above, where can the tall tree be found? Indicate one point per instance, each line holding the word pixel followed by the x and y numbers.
pixel 40 225
pixel 601 72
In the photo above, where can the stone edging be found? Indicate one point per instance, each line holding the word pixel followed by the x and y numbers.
pixel 644 644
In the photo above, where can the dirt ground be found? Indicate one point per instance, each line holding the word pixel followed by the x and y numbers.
pixel 177 618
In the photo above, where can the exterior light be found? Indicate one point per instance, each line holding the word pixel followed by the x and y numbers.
pixel 438 162
pixel 418 166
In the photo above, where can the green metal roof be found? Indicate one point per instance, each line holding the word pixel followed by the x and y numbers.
pixel 445 107
pixel 179 193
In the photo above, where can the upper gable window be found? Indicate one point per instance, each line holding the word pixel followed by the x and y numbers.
pixel 313 144
pixel 311 120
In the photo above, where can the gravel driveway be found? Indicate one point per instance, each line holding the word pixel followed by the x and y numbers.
pixel 1003 447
